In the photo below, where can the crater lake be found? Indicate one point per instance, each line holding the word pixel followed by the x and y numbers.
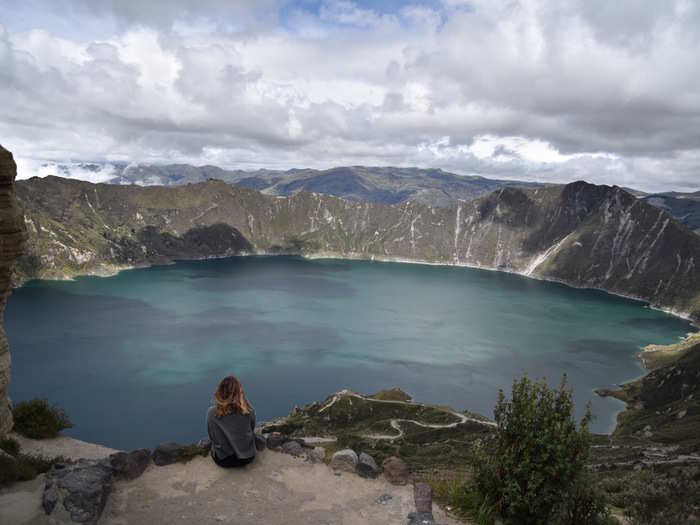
pixel 134 359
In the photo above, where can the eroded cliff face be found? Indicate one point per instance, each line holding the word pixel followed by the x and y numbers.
pixel 580 234
pixel 12 239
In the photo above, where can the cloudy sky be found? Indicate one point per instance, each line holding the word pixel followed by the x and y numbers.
pixel 550 91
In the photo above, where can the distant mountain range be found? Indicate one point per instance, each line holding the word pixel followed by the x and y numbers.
pixel 387 185
pixel 579 234
pixel 683 206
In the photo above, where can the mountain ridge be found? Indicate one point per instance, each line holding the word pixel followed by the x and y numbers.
pixel 383 184
pixel 578 234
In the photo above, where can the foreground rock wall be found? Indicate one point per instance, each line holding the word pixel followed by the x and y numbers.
pixel 12 240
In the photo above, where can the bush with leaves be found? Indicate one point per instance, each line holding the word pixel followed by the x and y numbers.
pixel 664 499
pixel 532 471
pixel 9 446
pixel 37 419
pixel 23 467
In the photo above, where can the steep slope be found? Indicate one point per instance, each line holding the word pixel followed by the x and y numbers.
pixel 664 404
pixel 12 239
pixel 579 234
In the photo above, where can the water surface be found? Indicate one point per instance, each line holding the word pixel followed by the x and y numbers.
pixel 134 358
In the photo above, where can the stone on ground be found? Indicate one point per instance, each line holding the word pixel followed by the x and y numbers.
pixel 366 466
pixel 293 448
pixel 130 465
pixel 77 492
pixel 274 440
pixel 317 455
pixel 345 460
pixel 423 498
pixel 395 471
pixel 167 453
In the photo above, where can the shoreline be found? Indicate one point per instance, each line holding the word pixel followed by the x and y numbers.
pixel 646 304
pixel 116 269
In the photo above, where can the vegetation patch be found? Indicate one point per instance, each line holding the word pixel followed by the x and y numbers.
pixel 37 419
pixel 392 394
pixel 656 356
pixel 191 451
pixel 23 467
pixel 10 446
pixel 655 497
pixel 533 470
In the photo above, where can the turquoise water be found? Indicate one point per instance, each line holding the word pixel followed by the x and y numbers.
pixel 135 358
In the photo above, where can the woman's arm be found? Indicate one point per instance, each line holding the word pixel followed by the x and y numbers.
pixel 252 420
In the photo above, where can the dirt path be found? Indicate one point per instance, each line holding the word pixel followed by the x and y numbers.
pixel 396 423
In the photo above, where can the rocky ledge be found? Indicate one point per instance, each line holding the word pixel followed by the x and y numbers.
pixel 175 483
pixel 12 240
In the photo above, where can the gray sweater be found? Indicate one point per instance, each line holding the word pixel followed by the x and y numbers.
pixel 232 435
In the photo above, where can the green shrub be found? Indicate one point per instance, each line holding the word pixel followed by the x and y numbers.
pixel 457 493
pixel 9 445
pixel 37 419
pixel 583 504
pixel 191 451
pixel 663 499
pixel 531 472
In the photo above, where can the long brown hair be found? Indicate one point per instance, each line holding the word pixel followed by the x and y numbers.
pixel 230 398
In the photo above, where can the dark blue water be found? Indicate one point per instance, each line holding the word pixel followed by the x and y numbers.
pixel 134 358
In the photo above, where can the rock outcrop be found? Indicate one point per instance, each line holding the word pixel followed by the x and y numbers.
pixel 12 240
pixel 130 465
pixel 167 453
pixel 77 493
pixel 579 234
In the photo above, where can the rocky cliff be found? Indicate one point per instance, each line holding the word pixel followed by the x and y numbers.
pixel 580 234
pixel 12 238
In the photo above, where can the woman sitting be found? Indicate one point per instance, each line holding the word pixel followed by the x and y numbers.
pixel 231 425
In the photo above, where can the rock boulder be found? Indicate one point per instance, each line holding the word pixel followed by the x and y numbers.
pixel 274 440
pixel 317 455
pixel 77 492
pixel 167 453
pixel 293 448
pixel 423 498
pixel 344 460
pixel 130 465
pixel 366 466
pixel 395 471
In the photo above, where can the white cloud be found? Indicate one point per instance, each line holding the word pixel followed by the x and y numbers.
pixel 102 172
pixel 527 89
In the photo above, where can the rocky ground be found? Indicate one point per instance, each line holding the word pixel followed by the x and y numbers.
pixel 277 488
